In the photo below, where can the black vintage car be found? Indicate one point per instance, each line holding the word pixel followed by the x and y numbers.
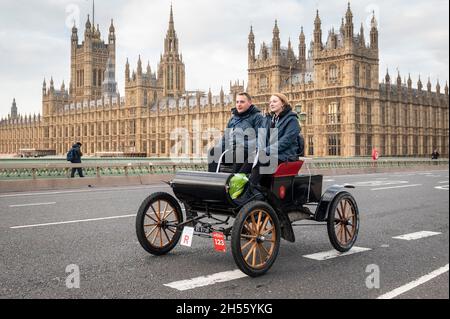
pixel 259 223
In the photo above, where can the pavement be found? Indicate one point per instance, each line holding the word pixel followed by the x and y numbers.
pixel 48 236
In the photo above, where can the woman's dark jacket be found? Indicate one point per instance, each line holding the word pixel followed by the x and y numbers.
pixel 288 141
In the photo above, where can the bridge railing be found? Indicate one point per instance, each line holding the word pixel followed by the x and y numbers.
pixel 30 170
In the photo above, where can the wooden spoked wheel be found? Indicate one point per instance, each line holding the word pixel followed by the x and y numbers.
pixel 343 222
pixel 255 238
pixel 157 223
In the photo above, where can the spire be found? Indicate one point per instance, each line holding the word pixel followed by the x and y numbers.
pixel 362 39
pixel 276 31
pixel 171 15
pixel 374 33
pixel 409 81
pixel 349 23
pixel 446 88
pixel 139 66
pixel 88 24
pixel 419 84
pixel 14 109
pixel 399 79
pixel 171 41
pixel 127 71
pixel 112 29
pixel 276 43
pixel 438 87
pixel 251 46
pixel 349 14
pixel 97 32
pixel 302 35
pixel 317 22
pixel 251 36
pixel 149 69
pixel 112 33
pixel 373 22
pixel 93 13
pixel 388 77
pixel 74 31
pixel 302 50
pixel 317 32
pixel 222 97
pixel 429 85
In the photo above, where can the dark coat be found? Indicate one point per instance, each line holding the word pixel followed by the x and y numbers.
pixel 237 126
pixel 77 154
pixel 289 142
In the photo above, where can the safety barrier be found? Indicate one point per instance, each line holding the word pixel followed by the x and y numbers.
pixel 33 171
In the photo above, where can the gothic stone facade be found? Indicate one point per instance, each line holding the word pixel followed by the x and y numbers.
pixel 335 83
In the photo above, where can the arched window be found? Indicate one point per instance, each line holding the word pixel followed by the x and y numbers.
pixel 263 83
pixel 333 73
pixel 356 75
pixel 145 98
pixel 368 77
pixel 333 113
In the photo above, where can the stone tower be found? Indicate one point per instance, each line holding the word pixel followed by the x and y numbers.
pixel 272 68
pixel 14 109
pixel 171 70
pixel 347 61
pixel 89 62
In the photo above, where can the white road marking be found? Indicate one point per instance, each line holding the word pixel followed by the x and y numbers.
pixel 328 180
pixel 206 280
pixel 381 188
pixel 443 187
pixel 84 191
pixel 334 253
pixel 35 204
pixel 400 290
pixel 72 221
pixel 442 182
pixel 417 235
pixel 379 183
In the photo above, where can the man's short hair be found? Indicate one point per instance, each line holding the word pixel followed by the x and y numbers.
pixel 78 143
pixel 248 96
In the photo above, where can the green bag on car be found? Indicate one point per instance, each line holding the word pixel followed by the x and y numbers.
pixel 237 185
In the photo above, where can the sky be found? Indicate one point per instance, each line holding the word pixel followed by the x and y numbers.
pixel 213 38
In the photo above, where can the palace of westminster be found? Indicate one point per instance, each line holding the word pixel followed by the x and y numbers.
pixel 335 83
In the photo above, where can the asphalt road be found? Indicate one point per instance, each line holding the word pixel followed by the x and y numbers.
pixel 46 237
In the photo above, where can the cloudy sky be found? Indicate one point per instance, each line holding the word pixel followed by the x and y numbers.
pixel 35 37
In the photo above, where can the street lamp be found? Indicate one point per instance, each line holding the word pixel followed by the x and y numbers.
pixel 302 115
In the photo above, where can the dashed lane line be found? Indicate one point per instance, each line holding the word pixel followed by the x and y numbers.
pixel 73 221
pixel 206 280
pixel 99 190
pixel 402 186
pixel 334 253
pixel 400 290
pixel 417 235
pixel 33 204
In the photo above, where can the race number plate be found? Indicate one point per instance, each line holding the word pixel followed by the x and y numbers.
pixel 219 242
pixel 186 236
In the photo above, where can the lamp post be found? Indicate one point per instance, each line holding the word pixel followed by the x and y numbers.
pixel 302 115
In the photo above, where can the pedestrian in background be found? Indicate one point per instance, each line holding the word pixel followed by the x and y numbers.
pixel 435 154
pixel 74 156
